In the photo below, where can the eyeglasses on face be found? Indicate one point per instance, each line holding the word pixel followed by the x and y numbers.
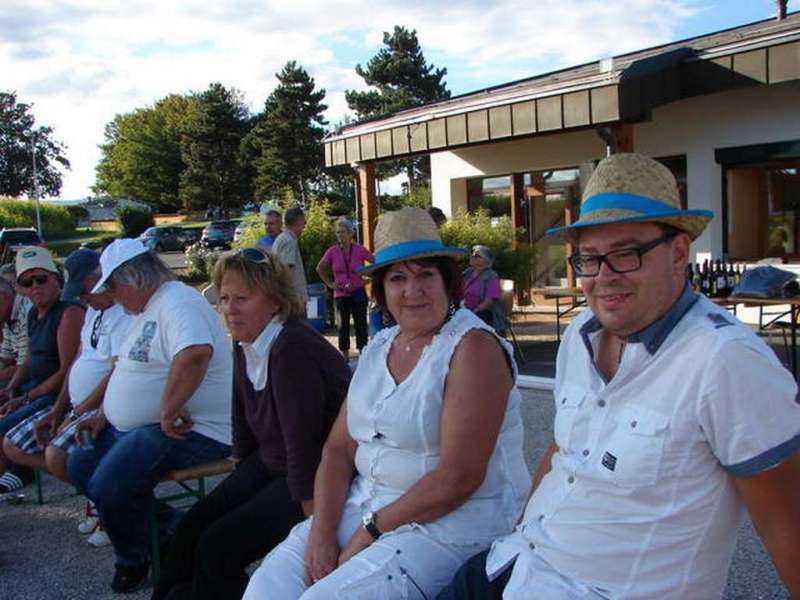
pixel 27 282
pixel 625 260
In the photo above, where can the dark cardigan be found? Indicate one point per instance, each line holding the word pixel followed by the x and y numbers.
pixel 288 421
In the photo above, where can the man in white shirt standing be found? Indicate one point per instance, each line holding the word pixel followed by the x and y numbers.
pixel 167 404
pixel 287 248
pixel 672 419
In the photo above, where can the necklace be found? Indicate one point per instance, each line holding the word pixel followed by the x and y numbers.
pixel 407 345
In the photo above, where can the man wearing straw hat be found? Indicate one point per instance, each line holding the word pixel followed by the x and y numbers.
pixel 672 418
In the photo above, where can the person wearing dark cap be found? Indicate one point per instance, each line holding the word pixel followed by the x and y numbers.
pixel 54 327
pixel 438 216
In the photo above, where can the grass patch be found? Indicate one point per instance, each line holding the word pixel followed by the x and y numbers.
pixel 84 235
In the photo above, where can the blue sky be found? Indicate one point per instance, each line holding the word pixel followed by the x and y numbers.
pixel 82 61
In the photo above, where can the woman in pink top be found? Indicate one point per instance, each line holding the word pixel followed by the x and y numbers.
pixel 482 287
pixel 343 259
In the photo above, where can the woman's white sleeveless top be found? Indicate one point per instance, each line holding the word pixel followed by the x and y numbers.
pixel 397 428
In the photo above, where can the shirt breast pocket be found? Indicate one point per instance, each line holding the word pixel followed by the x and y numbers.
pixel 568 401
pixel 635 449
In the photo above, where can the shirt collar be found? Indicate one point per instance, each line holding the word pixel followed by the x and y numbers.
pixel 654 335
pixel 263 342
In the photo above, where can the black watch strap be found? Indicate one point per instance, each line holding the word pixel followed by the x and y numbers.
pixel 372 529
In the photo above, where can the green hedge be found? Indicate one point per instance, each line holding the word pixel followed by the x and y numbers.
pixel 133 220
pixel 57 222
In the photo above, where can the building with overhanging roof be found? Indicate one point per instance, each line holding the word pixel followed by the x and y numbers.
pixel 722 111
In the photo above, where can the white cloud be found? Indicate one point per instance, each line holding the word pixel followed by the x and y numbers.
pixel 82 61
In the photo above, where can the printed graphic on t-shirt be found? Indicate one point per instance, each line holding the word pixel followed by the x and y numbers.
pixel 140 351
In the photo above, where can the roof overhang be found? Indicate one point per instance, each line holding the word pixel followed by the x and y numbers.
pixel 622 89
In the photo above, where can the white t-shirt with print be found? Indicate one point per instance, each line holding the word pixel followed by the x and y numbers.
pixel 107 329
pixel 175 318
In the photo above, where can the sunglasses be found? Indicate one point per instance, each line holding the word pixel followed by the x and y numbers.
pixel 27 282
pixel 254 255
pixel 95 336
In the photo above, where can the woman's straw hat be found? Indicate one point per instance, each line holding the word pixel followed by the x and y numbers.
pixel 630 188
pixel 407 234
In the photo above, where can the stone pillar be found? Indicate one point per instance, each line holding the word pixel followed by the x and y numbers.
pixel 368 203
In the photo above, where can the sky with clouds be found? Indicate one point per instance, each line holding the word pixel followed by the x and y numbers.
pixel 80 62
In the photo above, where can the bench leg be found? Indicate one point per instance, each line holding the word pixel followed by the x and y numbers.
pixel 37 478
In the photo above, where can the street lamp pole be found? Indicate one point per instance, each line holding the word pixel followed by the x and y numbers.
pixel 36 189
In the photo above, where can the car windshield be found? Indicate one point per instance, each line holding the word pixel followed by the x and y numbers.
pixel 150 232
pixel 21 237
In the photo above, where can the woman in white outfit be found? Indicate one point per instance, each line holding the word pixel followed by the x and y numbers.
pixel 431 428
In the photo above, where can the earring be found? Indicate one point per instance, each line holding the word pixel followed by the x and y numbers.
pixel 451 309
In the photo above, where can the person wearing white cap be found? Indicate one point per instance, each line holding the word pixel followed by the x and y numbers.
pixel 672 419
pixel 167 404
pixel 54 327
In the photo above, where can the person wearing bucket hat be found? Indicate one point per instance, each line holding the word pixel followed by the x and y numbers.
pixel 54 327
pixel 431 416
pixel 672 417
pixel 167 402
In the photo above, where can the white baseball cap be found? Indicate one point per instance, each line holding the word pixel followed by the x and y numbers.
pixel 116 254
pixel 34 257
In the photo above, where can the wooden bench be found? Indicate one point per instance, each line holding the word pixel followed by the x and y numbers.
pixel 183 477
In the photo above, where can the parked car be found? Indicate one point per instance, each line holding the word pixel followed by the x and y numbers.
pixel 12 238
pixel 219 234
pixel 190 235
pixel 162 239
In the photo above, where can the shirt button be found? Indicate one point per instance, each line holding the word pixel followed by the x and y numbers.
pixel 601 403
pixel 541 518
pixel 531 545
pixel 634 424
pixel 563 401
pixel 586 453
pixel 570 479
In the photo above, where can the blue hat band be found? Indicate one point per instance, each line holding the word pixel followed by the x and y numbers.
pixel 403 250
pixel 623 201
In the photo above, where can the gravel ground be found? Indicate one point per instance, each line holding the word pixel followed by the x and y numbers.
pixel 42 557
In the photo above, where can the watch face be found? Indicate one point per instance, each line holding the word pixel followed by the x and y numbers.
pixel 366 519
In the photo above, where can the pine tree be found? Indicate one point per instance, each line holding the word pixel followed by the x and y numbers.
pixel 285 144
pixel 214 175
pixel 17 133
pixel 401 78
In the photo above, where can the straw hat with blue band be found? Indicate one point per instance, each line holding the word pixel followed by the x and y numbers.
pixel 632 188
pixel 407 234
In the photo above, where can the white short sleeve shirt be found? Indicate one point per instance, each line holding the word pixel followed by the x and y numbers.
pixel 640 501
pixel 175 317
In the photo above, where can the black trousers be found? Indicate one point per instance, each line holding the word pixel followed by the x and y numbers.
pixel 356 305
pixel 470 582
pixel 240 521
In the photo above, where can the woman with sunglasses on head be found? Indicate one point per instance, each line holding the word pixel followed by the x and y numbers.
pixel 432 430
pixel 343 260
pixel 482 287
pixel 288 385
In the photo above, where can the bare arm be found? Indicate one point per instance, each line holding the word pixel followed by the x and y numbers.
pixel 773 500
pixel 323 270
pixel 475 399
pixel 185 375
pixel 331 484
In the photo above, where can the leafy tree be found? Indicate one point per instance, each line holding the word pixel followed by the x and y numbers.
pixel 284 145
pixel 214 175
pixel 141 156
pixel 17 133
pixel 401 78
pixel 133 220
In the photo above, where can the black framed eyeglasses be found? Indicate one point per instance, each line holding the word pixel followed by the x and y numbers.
pixel 255 255
pixel 625 260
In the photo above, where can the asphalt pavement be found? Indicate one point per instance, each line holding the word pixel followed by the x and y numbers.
pixel 42 556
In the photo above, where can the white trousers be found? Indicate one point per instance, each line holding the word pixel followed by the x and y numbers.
pixel 403 564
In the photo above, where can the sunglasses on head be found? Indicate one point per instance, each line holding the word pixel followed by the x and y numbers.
pixel 27 282
pixel 254 255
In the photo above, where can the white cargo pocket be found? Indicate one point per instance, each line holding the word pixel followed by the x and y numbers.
pixel 382 580
pixel 632 457
pixel 568 401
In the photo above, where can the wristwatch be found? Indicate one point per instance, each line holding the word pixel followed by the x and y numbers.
pixel 368 522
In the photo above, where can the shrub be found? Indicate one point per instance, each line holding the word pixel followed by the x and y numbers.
pixel 317 237
pixel 57 223
pixel 201 261
pixel 133 220
pixel 253 231
pixel 465 230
